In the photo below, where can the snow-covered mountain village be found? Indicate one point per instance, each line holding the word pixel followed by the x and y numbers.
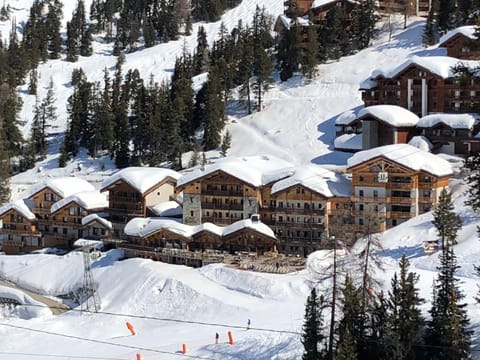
pixel 239 179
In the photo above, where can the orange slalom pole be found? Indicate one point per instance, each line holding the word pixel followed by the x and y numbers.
pixel 230 338
pixel 130 327
pixel 139 357
pixel 184 349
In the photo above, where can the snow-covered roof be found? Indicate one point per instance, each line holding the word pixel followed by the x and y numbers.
pixel 421 142
pixel 86 199
pixel 167 208
pixel 286 21
pixel 22 206
pixel 391 114
pixel 254 170
pixel 142 227
pixel 140 178
pixel 438 65
pixel 317 179
pixel 406 155
pixel 320 3
pixel 349 141
pixel 96 217
pixel 468 31
pixel 347 117
pixel 94 244
pixel 455 121
pixel 63 186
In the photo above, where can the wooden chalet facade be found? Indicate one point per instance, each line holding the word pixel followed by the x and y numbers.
pixel 219 198
pixel 96 228
pixel 418 89
pixel 19 229
pixel 65 223
pixel 298 216
pixel 460 43
pixel 386 192
pixel 132 191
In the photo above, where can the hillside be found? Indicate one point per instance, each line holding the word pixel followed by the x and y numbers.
pixel 297 124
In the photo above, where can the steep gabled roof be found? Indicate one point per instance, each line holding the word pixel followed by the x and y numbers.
pixel 96 217
pixel 253 170
pixel 391 114
pixel 316 179
pixel 63 186
pixel 141 179
pixel 405 155
pixel 22 206
pixel 467 31
pixel 87 199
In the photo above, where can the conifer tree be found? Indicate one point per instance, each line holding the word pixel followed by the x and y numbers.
pixel 202 53
pixel 312 334
pixel 10 106
pixel 364 22
pixel 446 15
pixel 288 53
pixel 4 171
pixel 447 222
pixel 431 32
pixel 53 25
pixel 226 143
pixel 245 66
pixel 32 85
pixel 447 336
pixel 213 121
pixel 405 318
pixel 346 348
pixel 310 56
pixel 472 165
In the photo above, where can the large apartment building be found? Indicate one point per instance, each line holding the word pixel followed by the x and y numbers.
pixel 393 183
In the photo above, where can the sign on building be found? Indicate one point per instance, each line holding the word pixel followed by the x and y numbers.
pixel 382 177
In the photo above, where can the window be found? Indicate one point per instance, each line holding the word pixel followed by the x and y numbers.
pixel 360 207
pixel 65 219
pixel 375 193
pixel 191 213
pixel 361 178
pixel 64 231
pixel 360 193
pixel 360 221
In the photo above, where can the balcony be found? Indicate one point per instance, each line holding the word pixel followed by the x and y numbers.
pixel 401 200
pixel 122 199
pixel 375 199
pixel 400 185
pixel 399 215
pixel 221 206
pixel 229 193
pixel 299 211
pixel 218 221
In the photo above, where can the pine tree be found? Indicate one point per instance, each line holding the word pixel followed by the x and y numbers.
pixel 245 66
pixel 288 51
pixel 312 335
pixel 213 121
pixel 472 165
pixel 431 32
pixel 4 173
pixel 53 25
pixel 354 317
pixel 32 85
pixel 310 56
pixel 226 143
pixel 447 222
pixel 446 16
pixel 447 336
pixel 10 106
pixel 346 348
pixel 202 53
pixel 71 43
pixel 405 318
pixel 364 24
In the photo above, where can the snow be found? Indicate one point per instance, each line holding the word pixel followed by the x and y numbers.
pixel 96 217
pixel 421 142
pixel 406 155
pixel 286 21
pixel 88 200
pixel 349 142
pixel 96 244
pixel 391 114
pixel 254 170
pixel 320 3
pixel 142 227
pixel 347 117
pixel 63 186
pixel 22 206
pixel 32 308
pixel 297 125
pixel 141 179
pixel 167 208
pixel 455 121
pixel 467 31
pixel 317 179
pixel 438 65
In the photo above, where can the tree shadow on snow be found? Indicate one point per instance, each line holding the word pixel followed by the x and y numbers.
pixel 410 252
pixel 410 37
